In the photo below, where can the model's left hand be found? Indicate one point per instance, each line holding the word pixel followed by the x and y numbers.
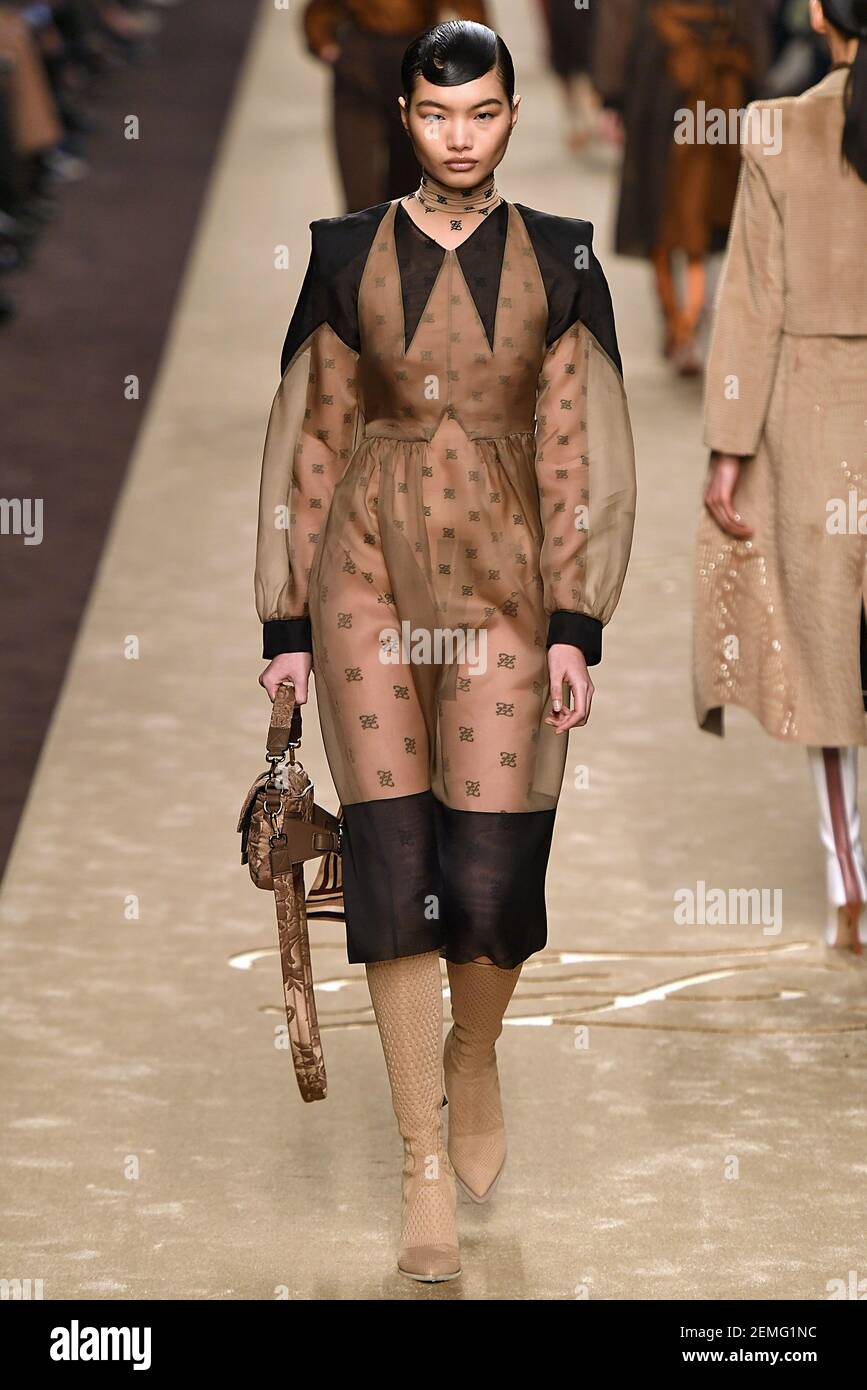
pixel 566 665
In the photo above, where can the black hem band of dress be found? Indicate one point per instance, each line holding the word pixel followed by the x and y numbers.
pixel 420 876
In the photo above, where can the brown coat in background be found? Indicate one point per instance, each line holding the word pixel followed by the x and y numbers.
pixel 680 196
pixel 375 157
pixel 613 36
pixel 404 18
pixel 777 620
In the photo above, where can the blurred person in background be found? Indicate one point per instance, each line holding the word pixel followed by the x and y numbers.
pixel 800 54
pixel 676 196
pixel 364 42
pixel 52 56
pixel 782 546
pixel 570 31
pixel 30 133
pixel 613 34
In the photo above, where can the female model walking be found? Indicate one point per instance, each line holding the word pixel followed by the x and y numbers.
pixel 689 59
pixel 569 30
pixel 783 541
pixel 451 445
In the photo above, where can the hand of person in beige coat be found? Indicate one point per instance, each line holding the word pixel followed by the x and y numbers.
pixel 723 476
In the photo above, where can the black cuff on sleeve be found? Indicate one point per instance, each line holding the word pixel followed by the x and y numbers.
pixel 286 635
pixel 578 630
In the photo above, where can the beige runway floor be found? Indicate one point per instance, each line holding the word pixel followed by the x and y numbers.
pixel 686 1104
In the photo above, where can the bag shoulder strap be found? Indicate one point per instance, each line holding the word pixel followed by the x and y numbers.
pixel 285 728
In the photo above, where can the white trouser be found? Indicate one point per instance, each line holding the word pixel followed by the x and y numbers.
pixel 835 773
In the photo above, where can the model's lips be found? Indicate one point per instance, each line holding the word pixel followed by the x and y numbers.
pixel 461 163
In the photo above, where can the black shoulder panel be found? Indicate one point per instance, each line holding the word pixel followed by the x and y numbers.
pixel 329 294
pixel 576 292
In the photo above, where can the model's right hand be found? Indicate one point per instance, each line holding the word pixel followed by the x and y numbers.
pixel 288 666
pixel 719 495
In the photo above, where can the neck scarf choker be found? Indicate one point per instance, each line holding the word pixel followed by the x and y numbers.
pixel 438 197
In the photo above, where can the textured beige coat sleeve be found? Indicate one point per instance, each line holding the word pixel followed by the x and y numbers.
pixel 745 344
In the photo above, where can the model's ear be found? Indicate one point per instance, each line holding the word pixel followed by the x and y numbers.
pixel 817 17
pixel 516 102
pixel 404 113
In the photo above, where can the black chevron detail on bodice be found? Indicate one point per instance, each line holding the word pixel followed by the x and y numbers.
pixel 419 258
pixel 574 282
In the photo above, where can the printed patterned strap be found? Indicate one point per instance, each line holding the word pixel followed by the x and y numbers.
pixel 298 990
pixel 285 726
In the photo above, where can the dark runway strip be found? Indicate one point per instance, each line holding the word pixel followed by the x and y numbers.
pixel 94 308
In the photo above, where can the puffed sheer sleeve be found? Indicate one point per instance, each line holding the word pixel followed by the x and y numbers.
pixel 585 466
pixel 748 325
pixel 312 430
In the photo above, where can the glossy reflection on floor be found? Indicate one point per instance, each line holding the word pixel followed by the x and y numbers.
pixel 772 989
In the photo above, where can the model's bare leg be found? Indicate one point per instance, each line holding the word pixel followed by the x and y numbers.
pixel 835 773
pixel 696 283
pixel 666 290
pixel 480 994
pixel 407 1000
pixel 571 107
pixel 589 103
pixel 688 360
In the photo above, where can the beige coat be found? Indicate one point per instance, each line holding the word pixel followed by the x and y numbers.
pixel 777 617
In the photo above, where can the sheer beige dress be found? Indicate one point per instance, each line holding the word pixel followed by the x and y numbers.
pixel 447 487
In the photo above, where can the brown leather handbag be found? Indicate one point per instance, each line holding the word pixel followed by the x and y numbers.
pixel 281 828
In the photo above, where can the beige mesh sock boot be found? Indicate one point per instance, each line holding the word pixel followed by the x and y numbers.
pixel 407 1000
pixel 477 1135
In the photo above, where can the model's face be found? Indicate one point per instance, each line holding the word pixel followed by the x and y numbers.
pixel 460 134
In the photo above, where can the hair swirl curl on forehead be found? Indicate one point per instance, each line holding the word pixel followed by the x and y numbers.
pixel 458 51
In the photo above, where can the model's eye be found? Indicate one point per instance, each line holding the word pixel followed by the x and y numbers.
pixel 433 117
pixel 485 116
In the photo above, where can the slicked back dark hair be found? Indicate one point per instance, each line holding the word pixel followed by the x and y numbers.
pixel 458 51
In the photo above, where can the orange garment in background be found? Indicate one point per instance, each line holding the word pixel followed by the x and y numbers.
pixel 322 17
pixel 37 126
pixel 715 69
